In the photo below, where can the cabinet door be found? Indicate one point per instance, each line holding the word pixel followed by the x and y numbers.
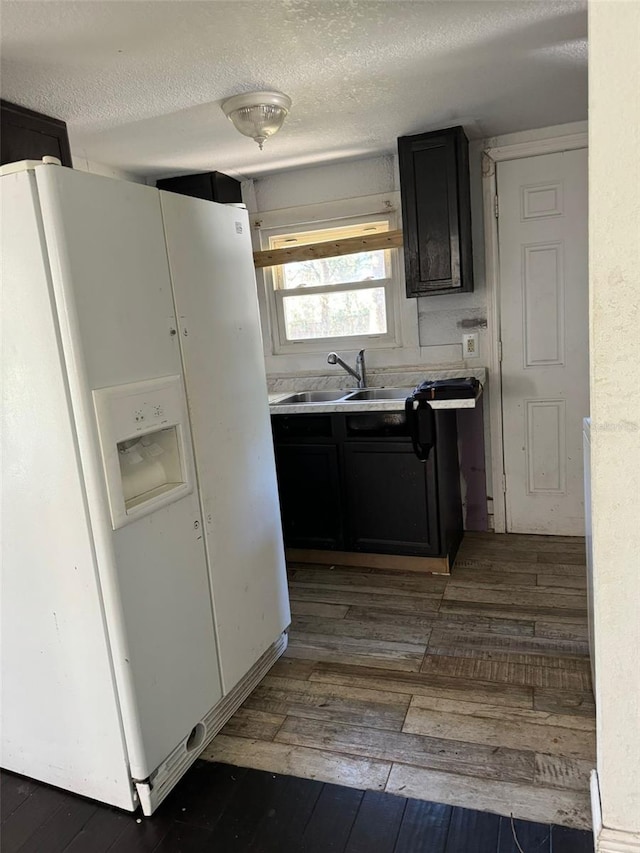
pixel 27 135
pixel 211 186
pixel 310 500
pixel 436 212
pixel 392 503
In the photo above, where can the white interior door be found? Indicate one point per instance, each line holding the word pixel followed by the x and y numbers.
pixel 542 232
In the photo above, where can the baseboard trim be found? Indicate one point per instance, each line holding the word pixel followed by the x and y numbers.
pixel 615 841
pixel 389 562
pixel 153 791
pixel 609 840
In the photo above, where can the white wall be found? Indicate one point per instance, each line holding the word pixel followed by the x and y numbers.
pixel 614 203
pixel 84 165
pixel 330 182
pixel 434 319
pixel 437 318
pixel 326 184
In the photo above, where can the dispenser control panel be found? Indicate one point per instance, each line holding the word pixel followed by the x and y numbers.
pixel 146 452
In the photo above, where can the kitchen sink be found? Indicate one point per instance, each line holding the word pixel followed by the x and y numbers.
pixel 379 394
pixel 312 397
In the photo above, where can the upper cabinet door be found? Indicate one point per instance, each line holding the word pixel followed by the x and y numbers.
pixel 26 135
pixel 436 212
pixel 211 186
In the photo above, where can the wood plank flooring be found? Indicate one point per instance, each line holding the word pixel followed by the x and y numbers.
pixel 471 690
pixel 217 807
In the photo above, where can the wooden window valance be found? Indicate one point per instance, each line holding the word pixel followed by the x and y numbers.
pixel 328 249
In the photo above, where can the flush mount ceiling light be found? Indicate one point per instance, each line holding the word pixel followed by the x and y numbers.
pixel 257 114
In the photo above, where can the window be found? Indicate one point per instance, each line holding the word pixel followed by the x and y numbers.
pixel 343 301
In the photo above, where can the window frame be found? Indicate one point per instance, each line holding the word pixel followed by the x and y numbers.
pixel 330 218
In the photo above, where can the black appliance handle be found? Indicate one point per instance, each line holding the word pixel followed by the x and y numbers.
pixel 421 423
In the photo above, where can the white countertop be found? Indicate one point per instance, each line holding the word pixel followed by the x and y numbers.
pixel 328 407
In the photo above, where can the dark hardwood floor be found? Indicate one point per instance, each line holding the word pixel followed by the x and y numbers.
pixel 218 808
pixel 472 690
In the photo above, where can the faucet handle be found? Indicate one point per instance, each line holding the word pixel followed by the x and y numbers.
pixel 362 382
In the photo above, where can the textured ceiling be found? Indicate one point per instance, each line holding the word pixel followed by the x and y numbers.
pixel 140 83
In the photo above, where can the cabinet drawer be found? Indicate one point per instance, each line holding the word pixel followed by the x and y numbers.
pixel 291 427
pixel 376 424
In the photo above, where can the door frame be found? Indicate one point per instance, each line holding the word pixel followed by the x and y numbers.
pixel 490 158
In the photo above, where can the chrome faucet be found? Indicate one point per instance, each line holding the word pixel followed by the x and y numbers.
pixel 359 373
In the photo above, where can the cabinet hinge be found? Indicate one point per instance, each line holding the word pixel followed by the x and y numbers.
pixel 496 207
pixel 504 484
pixel 500 352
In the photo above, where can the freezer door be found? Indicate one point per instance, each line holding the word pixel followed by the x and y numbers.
pixel 212 271
pixel 60 717
pixel 113 293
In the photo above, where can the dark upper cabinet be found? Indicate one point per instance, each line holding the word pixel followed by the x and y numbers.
pixel 212 186
pixel 26 135
pixel 436 212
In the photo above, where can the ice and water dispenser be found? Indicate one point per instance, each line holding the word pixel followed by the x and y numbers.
pixel 146 450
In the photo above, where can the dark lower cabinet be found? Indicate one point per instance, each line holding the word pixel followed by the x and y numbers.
pixel 310 495
pixel 391 499
pixel 353 483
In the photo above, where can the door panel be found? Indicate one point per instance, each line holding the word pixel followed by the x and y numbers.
pixel 60 710
pixel 211 264
pixel 310 495
pixel 392 499
pixel 544 331
pixel 113 292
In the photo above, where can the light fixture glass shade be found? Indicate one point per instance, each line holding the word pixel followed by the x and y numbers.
pixel 257 114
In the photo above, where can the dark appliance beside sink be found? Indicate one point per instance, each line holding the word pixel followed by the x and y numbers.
pixel 351 484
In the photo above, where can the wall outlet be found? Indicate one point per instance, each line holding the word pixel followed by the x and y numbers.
pixel 470 345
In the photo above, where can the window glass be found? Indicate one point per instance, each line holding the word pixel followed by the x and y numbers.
pixel 331 298
pixel 332 315
pixel 364 266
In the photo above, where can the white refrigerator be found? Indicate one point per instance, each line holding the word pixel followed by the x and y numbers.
pixel 143 580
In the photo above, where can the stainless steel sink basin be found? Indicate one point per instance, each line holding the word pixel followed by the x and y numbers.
pixel 379 394
pixel 312 397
